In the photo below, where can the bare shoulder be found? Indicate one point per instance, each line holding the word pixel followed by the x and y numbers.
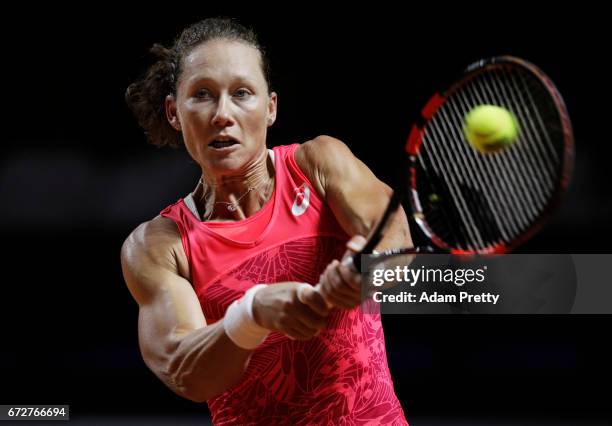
pixel 321 150
pixel 322 157
pixel 152 247
pixel 154 239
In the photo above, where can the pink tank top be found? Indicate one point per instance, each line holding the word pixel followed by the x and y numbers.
pixel 338 377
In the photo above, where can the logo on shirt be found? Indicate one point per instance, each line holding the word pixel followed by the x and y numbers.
pixel 302 200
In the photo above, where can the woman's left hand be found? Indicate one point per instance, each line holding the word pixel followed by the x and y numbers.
pixel 340 284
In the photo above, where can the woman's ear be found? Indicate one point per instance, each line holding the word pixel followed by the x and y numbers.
pixel 272 103
pixel 171 113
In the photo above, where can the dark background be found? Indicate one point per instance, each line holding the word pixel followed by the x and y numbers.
pixel 76 176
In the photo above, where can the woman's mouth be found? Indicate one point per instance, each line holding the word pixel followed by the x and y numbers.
pixel 222 143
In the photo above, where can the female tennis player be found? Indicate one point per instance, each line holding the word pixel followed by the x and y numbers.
pixel 224 277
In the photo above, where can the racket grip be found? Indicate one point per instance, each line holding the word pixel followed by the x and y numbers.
pixel 354 262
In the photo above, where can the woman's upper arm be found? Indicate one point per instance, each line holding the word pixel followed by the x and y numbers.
pixel 355 195
pixel 168 305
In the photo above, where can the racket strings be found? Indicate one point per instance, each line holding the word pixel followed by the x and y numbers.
pixel 492 187
pixel 442 216
pixel 471 200
pixel 516 167
pixel 453 178
pixel 480 172
pixel 534 140
pixel 538 172
pixel 444 206
pixel 528 100
pixel 471 171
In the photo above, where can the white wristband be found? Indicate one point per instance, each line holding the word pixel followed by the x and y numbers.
pixel 239 324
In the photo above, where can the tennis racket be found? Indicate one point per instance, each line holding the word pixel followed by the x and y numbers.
pixel 469 202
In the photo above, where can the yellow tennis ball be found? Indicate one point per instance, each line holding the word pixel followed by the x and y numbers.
pixel 490 128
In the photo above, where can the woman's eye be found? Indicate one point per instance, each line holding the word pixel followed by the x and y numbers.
pixel 203 94
pixel 241 93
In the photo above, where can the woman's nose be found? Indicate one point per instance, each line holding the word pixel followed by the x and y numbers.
pixel 222 117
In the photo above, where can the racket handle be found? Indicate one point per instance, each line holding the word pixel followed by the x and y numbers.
pixel 354 262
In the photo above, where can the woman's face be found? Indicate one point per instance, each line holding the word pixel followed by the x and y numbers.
pixel 222 106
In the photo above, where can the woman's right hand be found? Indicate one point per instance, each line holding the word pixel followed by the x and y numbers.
pixel 294 309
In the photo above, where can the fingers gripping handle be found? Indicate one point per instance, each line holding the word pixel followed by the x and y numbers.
pixel 348 261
